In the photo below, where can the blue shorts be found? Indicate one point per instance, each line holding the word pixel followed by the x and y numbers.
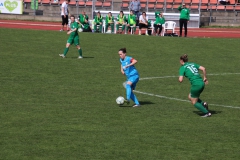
pixel 134 79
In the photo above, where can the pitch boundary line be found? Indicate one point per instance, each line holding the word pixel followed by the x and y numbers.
pixel 182 100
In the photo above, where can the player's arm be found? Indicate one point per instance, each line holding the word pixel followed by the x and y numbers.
pixel 181 73
pixel 180 79
pixel 203 69
pixel 63 11
pixel 122 70
pixel 133 61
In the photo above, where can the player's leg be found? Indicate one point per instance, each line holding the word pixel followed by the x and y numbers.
pixel 133 97
pixel 155 29
pixel 140 28
pixel 112 27
pixel 65 50
pixel 77 44
pixel 134 28
pixel 117 26
pixel 160 30
pixel 95 27
pixel 185 28
pixel 106 27
pixel 62 23
pixel 196 90
pixel 123 27
pixel 100 27
pixel 181 25
pixel 66 21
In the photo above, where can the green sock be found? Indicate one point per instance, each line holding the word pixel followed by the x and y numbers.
pixel 117 26
pixel 106 27
pixel 95 28
pixel 65 51
pixel 134 29
pixel 123 27
pixel 80 52
pixel 112 28
pixel 100 28
pixel 200 107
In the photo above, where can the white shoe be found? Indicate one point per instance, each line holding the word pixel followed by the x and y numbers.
pixel 61 30
pixel 136 105
pixel 62 55
pixel 207 115
pixel 80 57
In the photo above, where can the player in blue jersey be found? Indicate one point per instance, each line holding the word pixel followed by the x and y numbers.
pixel 128 69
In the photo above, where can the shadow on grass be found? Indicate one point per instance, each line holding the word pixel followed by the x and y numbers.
pixel 142 103
pixel 211 111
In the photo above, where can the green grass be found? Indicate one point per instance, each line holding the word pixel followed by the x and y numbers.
pixel 54 108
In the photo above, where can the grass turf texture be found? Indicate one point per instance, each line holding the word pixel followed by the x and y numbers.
pixel 54 108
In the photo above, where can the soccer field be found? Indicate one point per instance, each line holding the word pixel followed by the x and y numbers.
pixel 55 108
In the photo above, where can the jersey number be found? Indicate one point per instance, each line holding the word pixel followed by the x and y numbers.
pixel 192 68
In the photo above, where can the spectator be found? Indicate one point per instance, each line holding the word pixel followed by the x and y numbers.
pixel 109 22
pixel 121 21
pixel 135 6
pixel 184 18
pixel 224 2
pixel 83 22
pixel 131 21
pixel 64 14
pixel 143 22
pixel 160 20
pixel 98 21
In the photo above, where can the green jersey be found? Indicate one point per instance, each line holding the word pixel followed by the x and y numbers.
pixel 82 18
pixel 184 13
pixel 109 19
pixel 122 19
pixel 190 71
pixel 98 19
pixel 131 19
pixel 72 27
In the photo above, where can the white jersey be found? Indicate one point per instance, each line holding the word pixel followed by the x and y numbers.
pixel 65 8
pixel 143 20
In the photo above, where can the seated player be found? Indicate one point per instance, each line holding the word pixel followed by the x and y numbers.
pixel 98 21
pixel 121 21
pixel 143 23
pixel 109 22
pixel 131 21
pixel 83 22
pixel 160 20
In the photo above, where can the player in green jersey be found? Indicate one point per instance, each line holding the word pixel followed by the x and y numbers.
pixel 73 38
pixel 190 71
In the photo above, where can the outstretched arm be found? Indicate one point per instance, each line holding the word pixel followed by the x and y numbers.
pixel 180 79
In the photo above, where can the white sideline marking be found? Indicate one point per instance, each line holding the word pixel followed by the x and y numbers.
pixel 219 74
pixel 30 24
pixel 177 99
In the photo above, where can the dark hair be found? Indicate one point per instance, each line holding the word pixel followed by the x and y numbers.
pixel 124 50
pixel 72 16
pixel 143 13
pixel 184 58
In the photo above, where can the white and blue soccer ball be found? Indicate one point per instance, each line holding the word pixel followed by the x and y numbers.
pixel 120 100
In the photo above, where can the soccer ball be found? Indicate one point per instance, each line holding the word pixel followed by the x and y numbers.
pixel 80 29
pixel 120 100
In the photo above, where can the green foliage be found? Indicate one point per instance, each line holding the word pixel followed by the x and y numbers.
pixel 54 108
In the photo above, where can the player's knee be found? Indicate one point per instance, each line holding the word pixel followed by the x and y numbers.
pixel 128 85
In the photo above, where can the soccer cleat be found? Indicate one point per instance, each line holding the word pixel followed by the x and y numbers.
pixel 136 105
pixel 205 104
pixel 207 115
pixel 62 55
pixel 80 57
pixel 61 30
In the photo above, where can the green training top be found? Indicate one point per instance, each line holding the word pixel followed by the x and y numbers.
pixel 121 20
pixel 82 18
pixel 98 19
pixel 131 19
pixel 73 26
pixel 190 71
pixel 109 19
pixel 159 20
pixel 184 13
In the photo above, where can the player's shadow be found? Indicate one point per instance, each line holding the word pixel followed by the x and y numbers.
pixel 142 103
pixel 211 111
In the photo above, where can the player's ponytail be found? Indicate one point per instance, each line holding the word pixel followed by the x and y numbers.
pixel 184 58
pixel 124 50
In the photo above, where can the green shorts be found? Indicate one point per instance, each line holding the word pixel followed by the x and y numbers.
pixel 74 40
pixel 196 89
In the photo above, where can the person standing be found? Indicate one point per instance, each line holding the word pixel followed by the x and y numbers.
pixel 64 14
pixel 184 18
pixel 128 69
pixel 73 38
pixel 160 20
pixel 191 71
pixel 135 6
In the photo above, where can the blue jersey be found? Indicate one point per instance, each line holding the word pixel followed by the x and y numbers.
pixel 130 71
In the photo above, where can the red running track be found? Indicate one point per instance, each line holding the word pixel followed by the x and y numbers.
pixel 192 32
